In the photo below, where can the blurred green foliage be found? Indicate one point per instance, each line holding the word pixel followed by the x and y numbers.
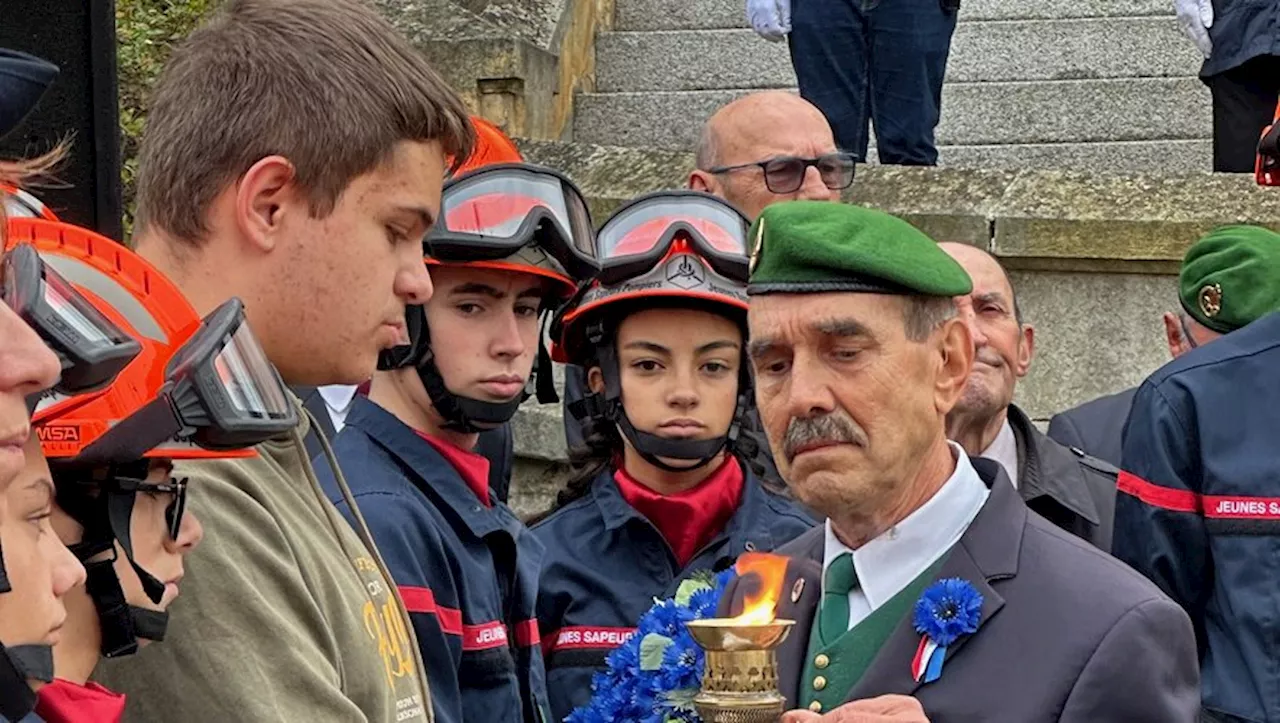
pixel 146 31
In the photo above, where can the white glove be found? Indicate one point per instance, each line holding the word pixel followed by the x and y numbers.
pixel 772 18
pixel 1196 17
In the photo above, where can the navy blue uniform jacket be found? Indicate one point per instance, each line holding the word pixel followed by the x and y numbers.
pixel 605 563
pixel 468 573
pixel 1199 512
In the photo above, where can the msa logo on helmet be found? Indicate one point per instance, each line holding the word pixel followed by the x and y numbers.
pixel 51 433
pixel 686 273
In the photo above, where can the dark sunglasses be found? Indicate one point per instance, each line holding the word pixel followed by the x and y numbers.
pixel 175 486
pixel 785 174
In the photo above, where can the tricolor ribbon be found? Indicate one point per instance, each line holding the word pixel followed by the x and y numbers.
pixel 948 610
pixel 926 667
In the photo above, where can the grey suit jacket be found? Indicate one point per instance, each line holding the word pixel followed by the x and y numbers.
pixel 1067 634
pixel 1094 427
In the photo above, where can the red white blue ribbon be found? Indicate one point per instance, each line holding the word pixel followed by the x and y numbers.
pixel 926 666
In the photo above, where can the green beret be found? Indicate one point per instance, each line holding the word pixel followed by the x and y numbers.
pixel 1231 277
pixel 811 247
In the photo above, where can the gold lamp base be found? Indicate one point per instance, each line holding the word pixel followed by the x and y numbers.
pixel 740 684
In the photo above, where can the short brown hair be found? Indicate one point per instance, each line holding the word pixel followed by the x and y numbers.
pixel 328 84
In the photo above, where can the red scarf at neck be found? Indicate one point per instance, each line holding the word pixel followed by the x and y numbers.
pixel 65 702
pixel 473 468
pixel 688 520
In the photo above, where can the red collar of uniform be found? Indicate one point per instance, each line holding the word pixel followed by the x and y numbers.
pixel 65 702
pixel 474 468
pixel 688 520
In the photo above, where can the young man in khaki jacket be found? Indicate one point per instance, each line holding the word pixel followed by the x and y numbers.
pixel 293 157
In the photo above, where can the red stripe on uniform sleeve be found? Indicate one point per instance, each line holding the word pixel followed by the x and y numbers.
pixel 1157 496
pixel 422 600
pixel 418 599
pixel 527 633
pixel 482 636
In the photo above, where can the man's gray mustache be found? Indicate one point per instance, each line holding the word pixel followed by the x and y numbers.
pixel 833 428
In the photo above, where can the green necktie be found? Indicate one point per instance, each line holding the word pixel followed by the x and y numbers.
pixel 839 579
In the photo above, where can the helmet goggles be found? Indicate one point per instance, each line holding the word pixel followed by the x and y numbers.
pixel 640 235
pixel 492 213
pixel 220 393
pixel 91 349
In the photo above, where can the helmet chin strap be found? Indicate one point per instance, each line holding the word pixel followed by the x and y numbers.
pixel 121 623
pixel 17 699
pixel 651 447
pixel 463 414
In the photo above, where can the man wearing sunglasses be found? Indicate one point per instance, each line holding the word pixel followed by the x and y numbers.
pixel 767 147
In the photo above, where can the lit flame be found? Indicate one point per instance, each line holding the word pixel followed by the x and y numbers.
pixel 758 607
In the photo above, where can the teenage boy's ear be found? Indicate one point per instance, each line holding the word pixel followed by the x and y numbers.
pixel 263 197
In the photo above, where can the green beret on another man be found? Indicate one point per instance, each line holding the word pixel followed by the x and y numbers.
pixel 1231 277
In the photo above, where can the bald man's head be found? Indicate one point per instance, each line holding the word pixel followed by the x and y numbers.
pixel 756 128
pixel 1004 344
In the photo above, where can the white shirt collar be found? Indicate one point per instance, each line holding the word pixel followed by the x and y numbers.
pixel 1004 449
pixel 889 562
pixel 338 397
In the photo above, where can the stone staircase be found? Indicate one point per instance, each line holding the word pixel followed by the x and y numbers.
pixel 1103 85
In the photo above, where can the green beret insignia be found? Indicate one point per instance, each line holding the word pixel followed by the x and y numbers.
pixel 1231 277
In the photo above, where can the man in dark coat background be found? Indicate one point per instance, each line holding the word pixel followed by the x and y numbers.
pixel 1072 490
pixel 1095 426
pixel 858 355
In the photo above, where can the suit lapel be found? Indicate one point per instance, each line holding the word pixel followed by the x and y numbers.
pixel 890 672
pixel 987 552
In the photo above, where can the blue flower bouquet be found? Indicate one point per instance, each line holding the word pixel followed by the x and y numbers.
pixel 654 676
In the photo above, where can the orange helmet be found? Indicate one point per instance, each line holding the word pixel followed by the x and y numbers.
pixel 138 416
pixel 197 388
pixel 496 201
pixel 492 146
pixel 20 204
pixel 668 249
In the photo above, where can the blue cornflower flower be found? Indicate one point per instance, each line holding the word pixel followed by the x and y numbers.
pixel 948 609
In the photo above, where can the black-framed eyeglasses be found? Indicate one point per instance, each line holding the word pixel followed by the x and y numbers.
pixel 785 174
pixel 175 486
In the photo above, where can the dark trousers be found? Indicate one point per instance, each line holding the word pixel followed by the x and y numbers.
pixel 881 60
pixel 1244 102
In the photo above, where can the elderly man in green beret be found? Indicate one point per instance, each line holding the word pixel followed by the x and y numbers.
pixel 1228 278
pixel 1198 508
pixel 930 578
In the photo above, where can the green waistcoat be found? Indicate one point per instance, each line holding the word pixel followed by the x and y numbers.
pixel 831 669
